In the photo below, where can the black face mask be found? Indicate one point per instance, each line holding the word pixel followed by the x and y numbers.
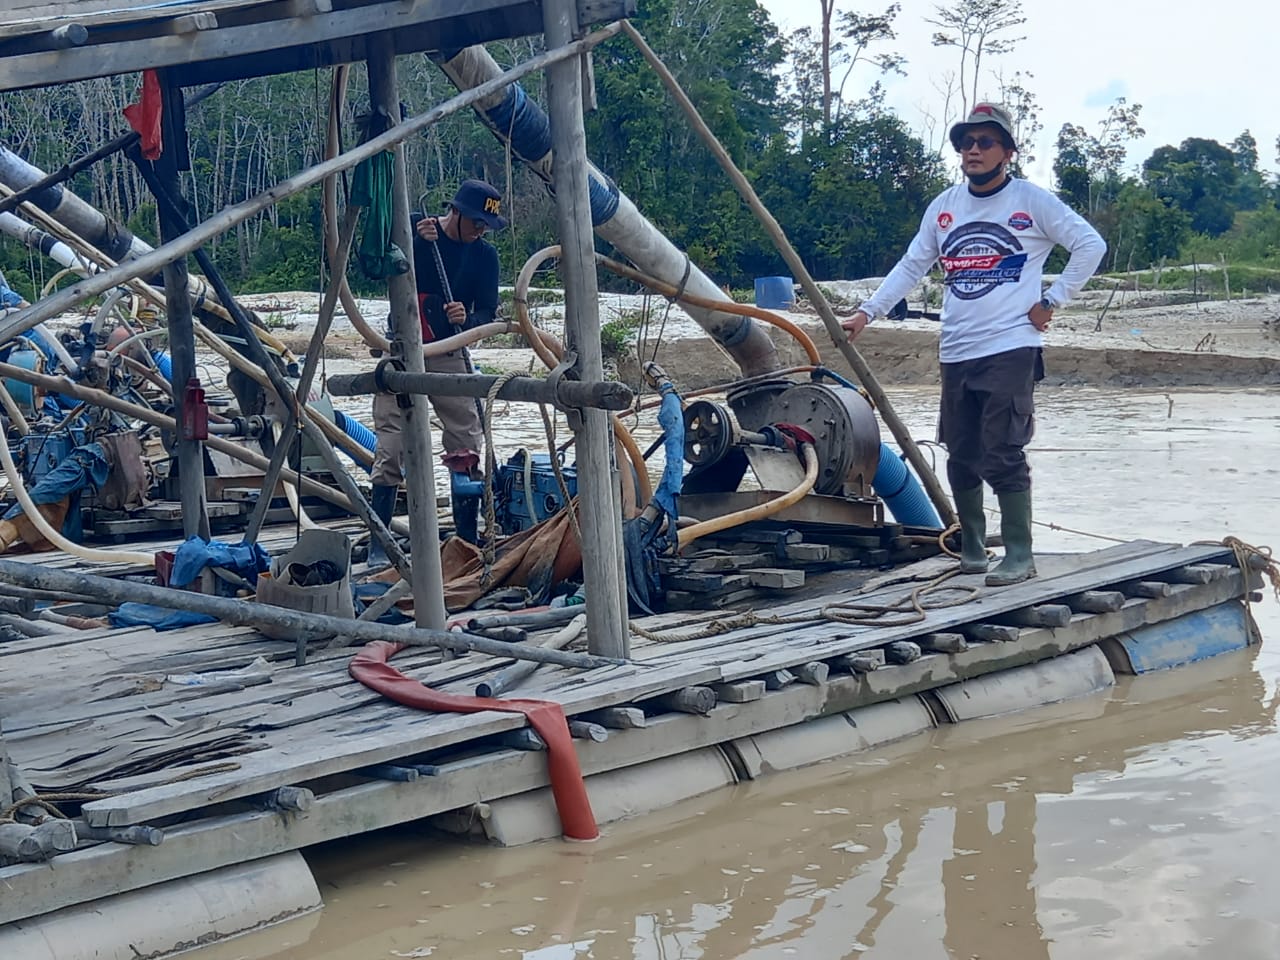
pixel 982 179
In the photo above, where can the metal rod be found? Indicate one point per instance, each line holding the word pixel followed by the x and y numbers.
pixel 427 575
pixel 855 360
pixel 254 614
pixel 606 395
pixel 600 510
pixel 513 675
pixel 338 270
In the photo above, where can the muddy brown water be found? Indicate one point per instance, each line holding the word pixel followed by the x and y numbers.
pixel 1136 823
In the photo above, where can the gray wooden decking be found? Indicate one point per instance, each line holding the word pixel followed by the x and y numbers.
pixel 94 710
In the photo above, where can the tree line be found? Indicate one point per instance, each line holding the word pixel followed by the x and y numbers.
pixel 803 115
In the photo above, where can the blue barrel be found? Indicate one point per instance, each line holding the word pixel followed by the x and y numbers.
pixel 775 293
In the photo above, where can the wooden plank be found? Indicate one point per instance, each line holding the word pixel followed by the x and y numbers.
pixel 775 578
pixel 207 844
pixel 744 691
pixel 301 756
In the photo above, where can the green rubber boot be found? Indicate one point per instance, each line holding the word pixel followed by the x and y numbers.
pixel 1015 526
pixel 973 530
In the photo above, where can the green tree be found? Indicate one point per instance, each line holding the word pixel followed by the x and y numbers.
pixel 1200 176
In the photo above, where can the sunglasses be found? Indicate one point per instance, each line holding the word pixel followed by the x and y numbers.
pixel 983 143
pixel 478 225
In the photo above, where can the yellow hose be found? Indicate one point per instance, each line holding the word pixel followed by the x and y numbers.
pixel 720 306
pixel 760 511
pixel 290 492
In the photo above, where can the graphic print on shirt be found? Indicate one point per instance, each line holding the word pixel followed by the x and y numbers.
pixel 979 257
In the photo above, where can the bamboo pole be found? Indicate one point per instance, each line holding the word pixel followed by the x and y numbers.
pixel 66 299
pixel 338 268
pixel 855 360
pixel 260 614
pixel 600 509
pixel 427 574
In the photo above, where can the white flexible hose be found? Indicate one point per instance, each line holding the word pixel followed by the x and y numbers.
pixel 53 536
pixel 290 492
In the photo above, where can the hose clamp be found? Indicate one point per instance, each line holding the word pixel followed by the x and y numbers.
pixel 403 400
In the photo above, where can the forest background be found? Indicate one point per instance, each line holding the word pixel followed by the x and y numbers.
pixel 803 114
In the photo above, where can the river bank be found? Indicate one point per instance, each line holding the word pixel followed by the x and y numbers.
pixel 1146 339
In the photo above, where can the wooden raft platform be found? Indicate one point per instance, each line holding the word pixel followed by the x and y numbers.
pixel 195 731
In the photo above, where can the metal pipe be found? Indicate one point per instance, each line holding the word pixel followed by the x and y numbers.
pixel 244 614
pixel 606 395
pixel 512 676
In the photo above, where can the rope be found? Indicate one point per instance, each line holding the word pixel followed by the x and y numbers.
pixel 1244 554
pixel 913 608
pixel 549 425
pixel 671 300
pixel 46 801
pixel 490 470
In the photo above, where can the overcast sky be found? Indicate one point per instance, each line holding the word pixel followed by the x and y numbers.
pixel 1199 70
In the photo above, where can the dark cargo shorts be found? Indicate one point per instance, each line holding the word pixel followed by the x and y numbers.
pixel 988 416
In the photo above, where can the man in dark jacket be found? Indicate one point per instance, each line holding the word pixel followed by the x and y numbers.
pixel 457 291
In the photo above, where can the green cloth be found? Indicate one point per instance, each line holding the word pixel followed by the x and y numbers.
pixel 371 188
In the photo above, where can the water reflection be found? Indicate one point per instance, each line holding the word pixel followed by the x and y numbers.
pixel 1007 838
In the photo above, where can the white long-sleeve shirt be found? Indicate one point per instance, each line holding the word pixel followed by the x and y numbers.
pixel 992 248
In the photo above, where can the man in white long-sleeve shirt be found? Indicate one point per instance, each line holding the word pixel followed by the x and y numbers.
pixel 992 235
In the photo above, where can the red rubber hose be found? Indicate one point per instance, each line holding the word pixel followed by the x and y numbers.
pixel 370 667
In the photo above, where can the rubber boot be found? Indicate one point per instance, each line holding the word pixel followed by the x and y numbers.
pixel 466 507
pixel 973 530
pixel 383 501
pixel 1015 526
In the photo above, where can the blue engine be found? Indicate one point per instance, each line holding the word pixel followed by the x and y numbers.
pixel 526 496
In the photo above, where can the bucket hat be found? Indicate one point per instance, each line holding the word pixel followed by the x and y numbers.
pixel 986 113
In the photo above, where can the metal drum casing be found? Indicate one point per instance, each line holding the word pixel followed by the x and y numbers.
pixel 845 430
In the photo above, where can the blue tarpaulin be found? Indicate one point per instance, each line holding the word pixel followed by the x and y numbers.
pixel 246 559
pixel 158 618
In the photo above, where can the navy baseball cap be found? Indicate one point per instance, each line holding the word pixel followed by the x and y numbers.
pixel 480 201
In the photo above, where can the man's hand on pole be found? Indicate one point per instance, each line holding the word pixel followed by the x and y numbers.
pixel 456 313
pixel 855 324
pixel 428 229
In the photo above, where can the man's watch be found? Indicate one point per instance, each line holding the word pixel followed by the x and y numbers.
pixel 1046 303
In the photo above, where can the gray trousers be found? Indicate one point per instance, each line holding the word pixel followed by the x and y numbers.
pixel 461 432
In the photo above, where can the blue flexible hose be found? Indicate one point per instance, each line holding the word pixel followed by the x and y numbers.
pixel 902 493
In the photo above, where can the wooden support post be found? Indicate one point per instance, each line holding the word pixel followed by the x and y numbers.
pixel 944 643
pixel 295 799
pixel 619 718
pixel 424 530
pixel 864 661
pixel 136 835
pixel 814 673
pixel 1198 573
pixel 598 490
pixel 698 700
pixel 777 679
pixel 586 730
pixel 525 738
pixel 1148 589
pixel 743 691
pixel 389 771
pixel 1040 615
pixel 1095 601
pixel 990 632
pixel 182 343
pixel 902 651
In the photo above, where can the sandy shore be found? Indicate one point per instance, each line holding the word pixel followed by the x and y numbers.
pixel 1145 339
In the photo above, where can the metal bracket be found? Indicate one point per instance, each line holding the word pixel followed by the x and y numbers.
pixel 403 400
pixel 566 365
